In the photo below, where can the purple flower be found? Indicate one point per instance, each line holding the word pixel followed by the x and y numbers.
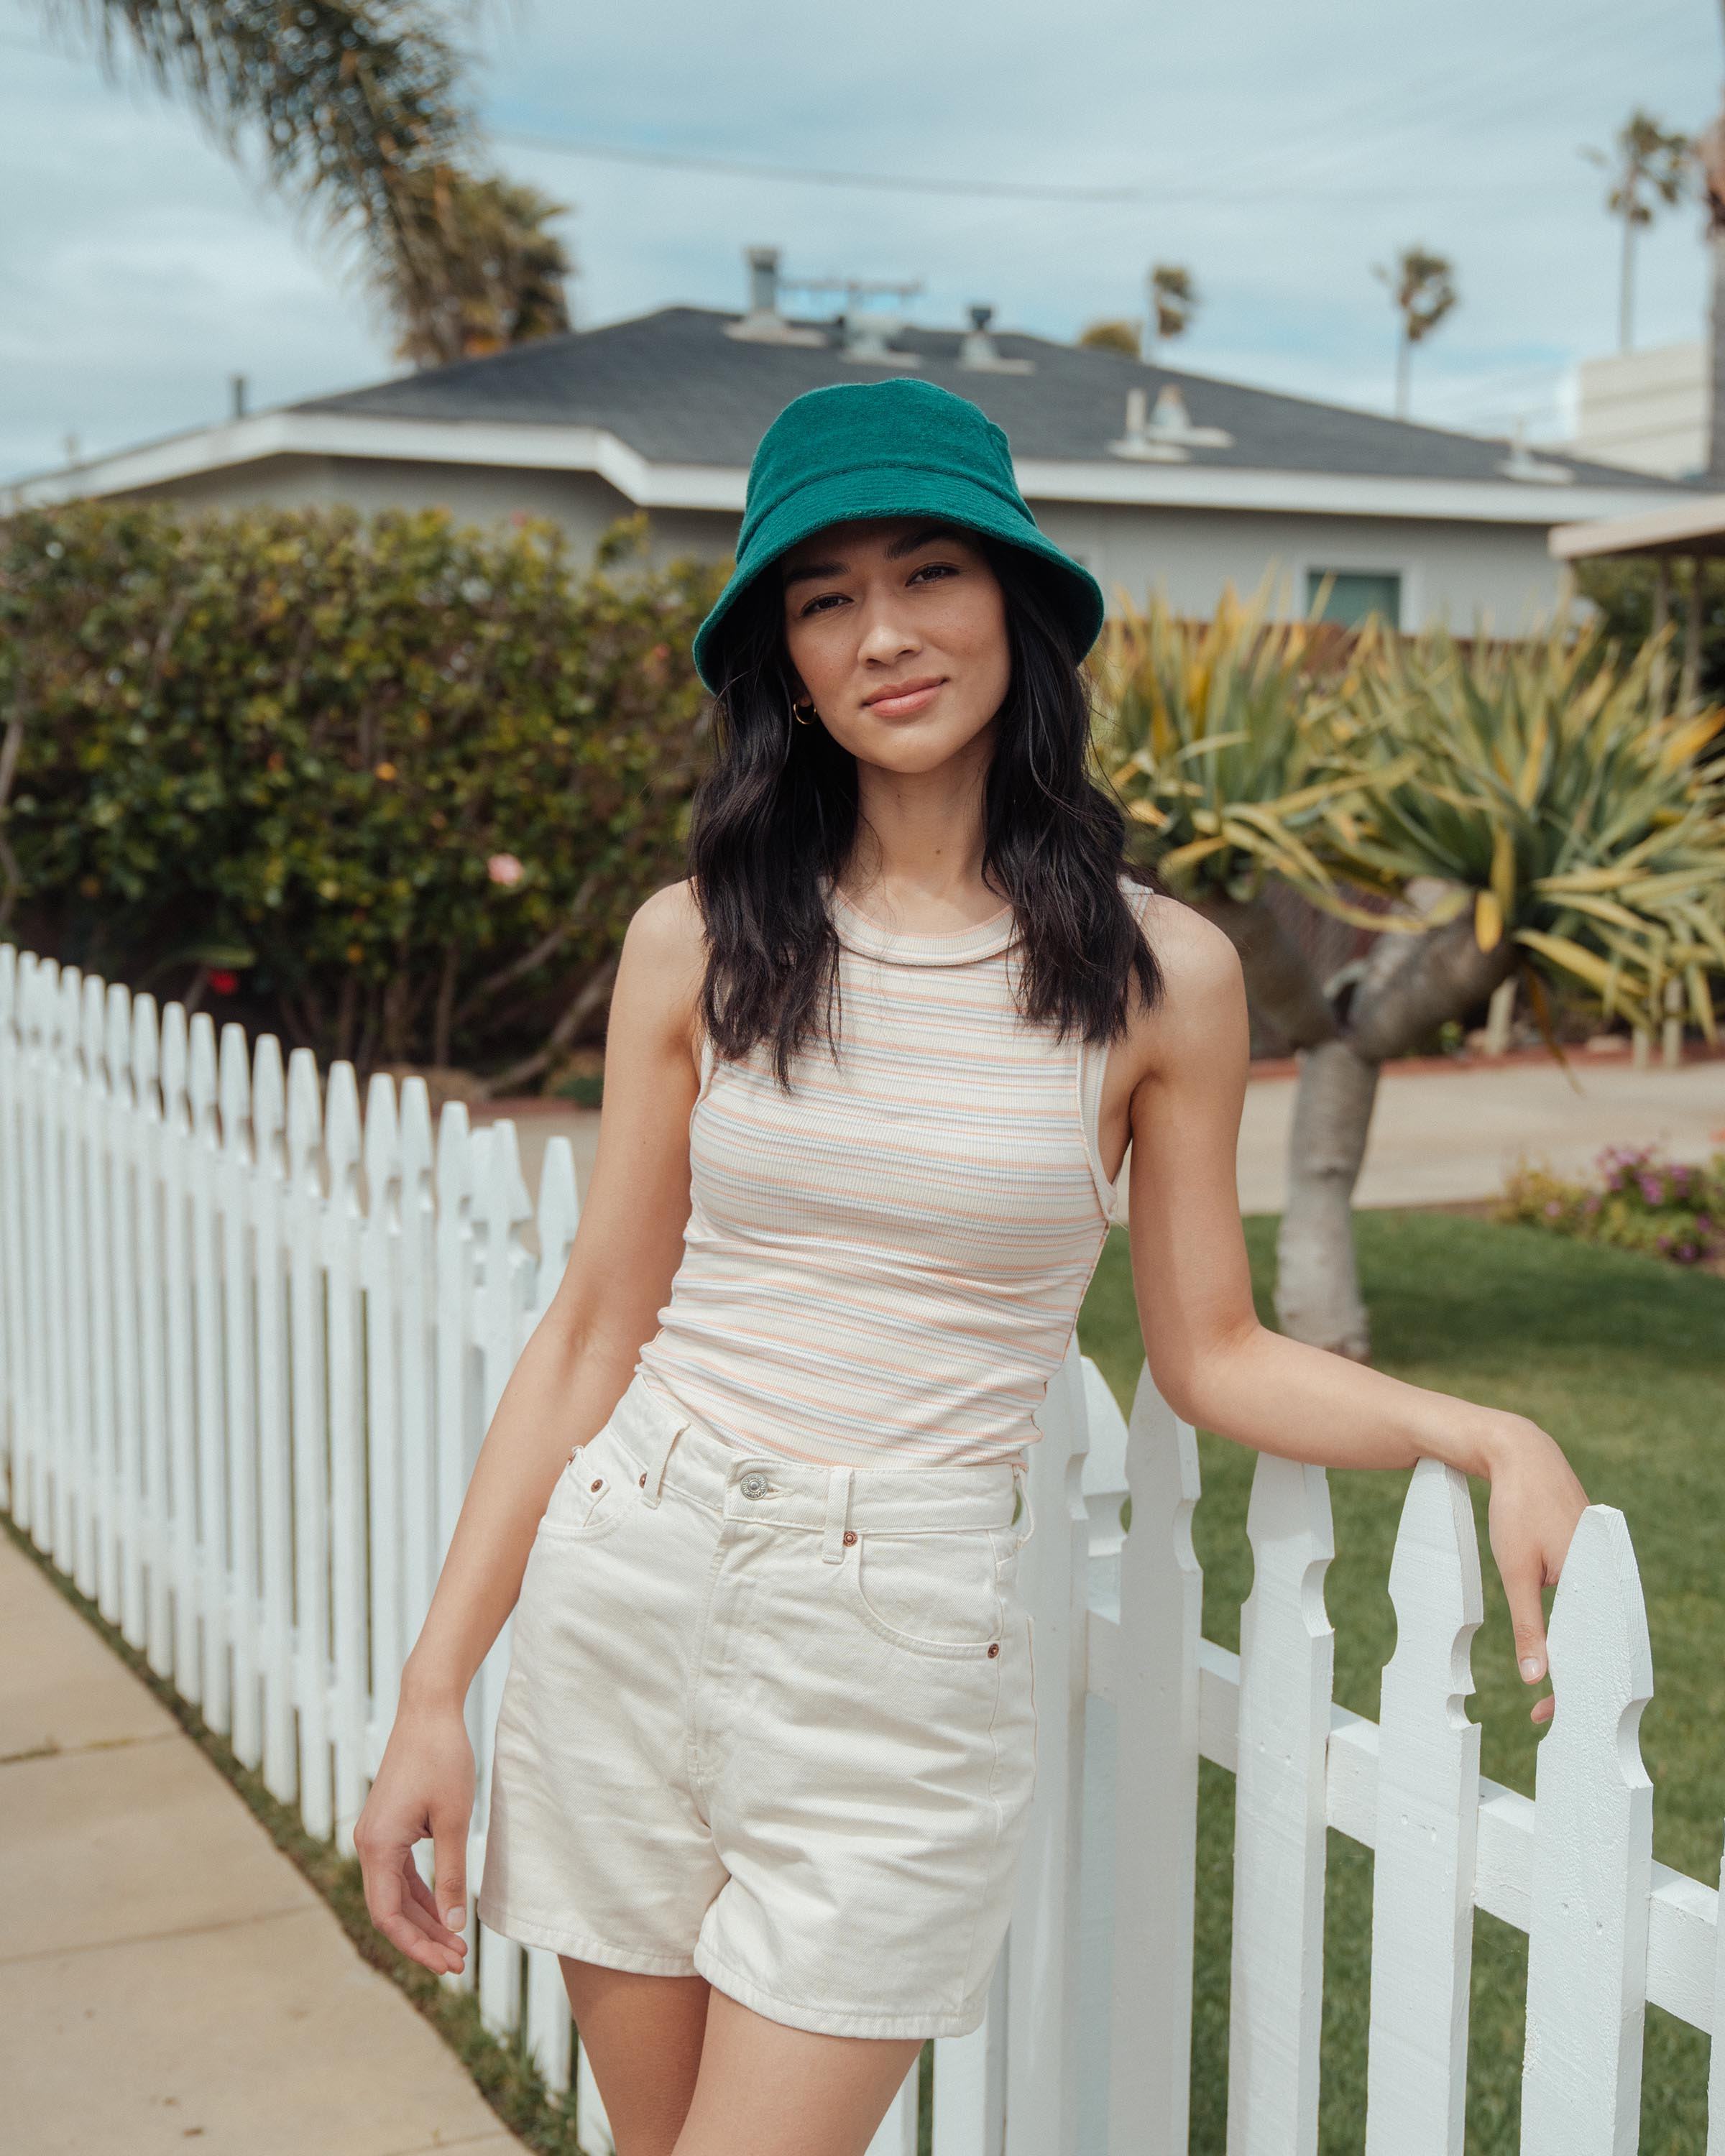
pixel 1554 1210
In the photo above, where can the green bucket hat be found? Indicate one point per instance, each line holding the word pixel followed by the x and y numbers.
pixel 897 447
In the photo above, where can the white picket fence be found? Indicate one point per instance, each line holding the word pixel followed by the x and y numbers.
pixel 251 1342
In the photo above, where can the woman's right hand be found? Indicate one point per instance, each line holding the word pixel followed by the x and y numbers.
pixel 425 1786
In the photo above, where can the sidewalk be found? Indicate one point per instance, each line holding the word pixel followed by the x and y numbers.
pixel 167 1979
pixel 1437 1135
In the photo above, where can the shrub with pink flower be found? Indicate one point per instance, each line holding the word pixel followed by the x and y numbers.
pixel 1635 1200
pixel 505 869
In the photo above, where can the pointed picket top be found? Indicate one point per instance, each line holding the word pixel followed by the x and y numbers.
pixel 1426 1828
pixel 64 1026
pixel 511 1204
pixel 1434 1585
pixel 417 1147
pixel 145 1055
pixel 304 1119
pixel 381 1142
pixel 116 1025
pixel 8 985
pixel 93 1025
pixel 39 1006
pixel 201 1086
pixel 454 1145
pixel 234 1087
pixel 269 1104
pixel 175 1057
pixel 559 1213
pixel 342 1131
pixel 1593 1857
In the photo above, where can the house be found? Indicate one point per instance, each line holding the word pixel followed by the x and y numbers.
pixel 1645 409
pixel 1151 475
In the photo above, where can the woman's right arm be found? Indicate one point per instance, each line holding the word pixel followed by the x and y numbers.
pixel 573 1370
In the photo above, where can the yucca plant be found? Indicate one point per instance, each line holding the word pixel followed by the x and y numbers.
pixel 1542 813
pixel 1228 742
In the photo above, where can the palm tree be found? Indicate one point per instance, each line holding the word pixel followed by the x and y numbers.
pixel 1174 300
pixel 1650 161
pixel 357 107
pixel 500 271
pixel 1423 285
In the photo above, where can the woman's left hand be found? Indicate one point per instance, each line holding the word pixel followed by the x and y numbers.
pixel 1536 1502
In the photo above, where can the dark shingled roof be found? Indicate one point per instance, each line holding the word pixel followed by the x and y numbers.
pixel 674 388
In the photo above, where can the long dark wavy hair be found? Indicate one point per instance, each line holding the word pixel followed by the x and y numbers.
pixel 775 812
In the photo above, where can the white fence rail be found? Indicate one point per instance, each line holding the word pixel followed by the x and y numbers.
pixel 251 1340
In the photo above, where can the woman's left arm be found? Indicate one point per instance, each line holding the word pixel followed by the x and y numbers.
pixel 1219 1368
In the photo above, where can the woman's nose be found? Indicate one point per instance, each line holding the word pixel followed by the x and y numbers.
pixel 886 635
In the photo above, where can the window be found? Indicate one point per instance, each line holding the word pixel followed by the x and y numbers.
pixel 1354 593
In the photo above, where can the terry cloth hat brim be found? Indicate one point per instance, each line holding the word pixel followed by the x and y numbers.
pixel 901 448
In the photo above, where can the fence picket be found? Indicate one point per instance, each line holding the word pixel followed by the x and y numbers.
pixel 234 1211
pixel 1286 1658
pixel 418 1289
pixel 1593 1858
pixel 897 2134
pixel 350 1721
pixel 276 1480
pixel 190 1587
pixel 308 1366
pixel 1427 1828
pixel 96 1292
pixel 125 1385
pixel 1156 1756
pixel 68 1111
pixel 150 1264
pixel 970 2081
pixel 16 1412
pixel 1042 1968
pixel 380 1264
pixel 213 1440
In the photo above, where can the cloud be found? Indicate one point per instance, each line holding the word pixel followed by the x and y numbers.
pixel 1283 151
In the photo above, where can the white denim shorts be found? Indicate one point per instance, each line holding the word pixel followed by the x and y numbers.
pixel 769 1721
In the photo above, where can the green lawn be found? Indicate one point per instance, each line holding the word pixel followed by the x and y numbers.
pixel 1620 1358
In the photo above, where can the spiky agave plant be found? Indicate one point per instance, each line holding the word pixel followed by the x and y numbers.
pixel 1572 815
pixel 1229 741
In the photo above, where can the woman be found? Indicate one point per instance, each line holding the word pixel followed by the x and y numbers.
pixel 767 1741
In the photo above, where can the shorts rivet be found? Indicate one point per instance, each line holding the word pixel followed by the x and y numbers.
pixel 994 1647
pixel 644 1478
pixel 596 1483
pixel 850 1535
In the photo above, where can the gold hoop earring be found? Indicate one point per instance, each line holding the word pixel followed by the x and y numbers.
pixel 802 714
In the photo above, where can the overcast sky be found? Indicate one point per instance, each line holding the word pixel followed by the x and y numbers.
pixel 1278 151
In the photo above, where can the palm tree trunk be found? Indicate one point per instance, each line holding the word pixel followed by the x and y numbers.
pixel 1411 985
pixel 1279 983
pixel 1404 356
pixel 1626 290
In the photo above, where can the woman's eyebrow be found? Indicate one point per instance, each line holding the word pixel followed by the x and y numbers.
pixel 812 569
pixel 924 538
pixel 896 552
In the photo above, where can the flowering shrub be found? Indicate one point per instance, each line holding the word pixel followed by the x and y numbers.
pixel 1637 1201
pixel 389 785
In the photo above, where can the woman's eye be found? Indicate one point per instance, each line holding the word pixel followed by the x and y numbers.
pixel 824 604
pixel 935 569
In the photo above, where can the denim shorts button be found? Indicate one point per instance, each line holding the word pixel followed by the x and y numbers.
pixel 753 1485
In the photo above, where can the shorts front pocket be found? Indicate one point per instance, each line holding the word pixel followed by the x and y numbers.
pixel 586 1501
pixel 936 1594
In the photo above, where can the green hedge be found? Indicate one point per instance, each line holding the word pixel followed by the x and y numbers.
pixel 391 784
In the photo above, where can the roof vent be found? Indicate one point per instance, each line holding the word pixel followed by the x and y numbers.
pixel 865 339
pixel 978 349
pixel 763 323
pixel 1522 463
pixel 1165 435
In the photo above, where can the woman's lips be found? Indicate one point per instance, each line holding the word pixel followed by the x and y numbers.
pixel 902 703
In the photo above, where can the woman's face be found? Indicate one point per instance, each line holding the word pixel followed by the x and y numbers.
pixel 895 628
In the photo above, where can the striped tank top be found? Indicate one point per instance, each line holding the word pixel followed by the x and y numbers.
pixel 884 1265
